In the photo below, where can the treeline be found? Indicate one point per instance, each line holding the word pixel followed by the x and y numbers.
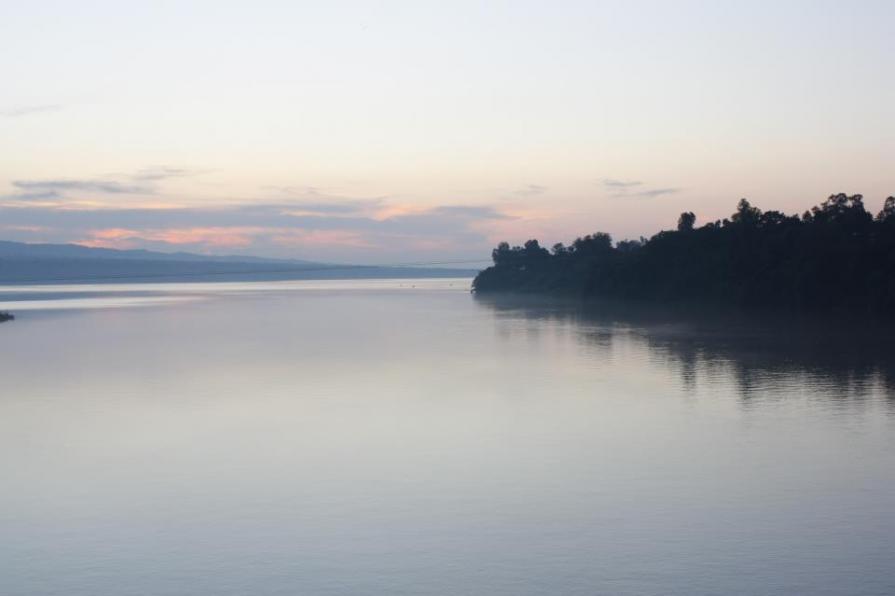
pixel 836 256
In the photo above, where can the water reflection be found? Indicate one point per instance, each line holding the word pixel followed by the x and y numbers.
pixel 770 358
pixel 404 438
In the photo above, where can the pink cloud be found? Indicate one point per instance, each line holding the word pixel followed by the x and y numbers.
pixel 224 237
pixel 212 236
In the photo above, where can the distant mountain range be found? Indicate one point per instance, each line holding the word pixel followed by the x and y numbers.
pixel 76 251
pixel 13 250
pixel 73 263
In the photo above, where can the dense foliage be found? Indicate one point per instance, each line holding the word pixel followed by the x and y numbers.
pixel 836 256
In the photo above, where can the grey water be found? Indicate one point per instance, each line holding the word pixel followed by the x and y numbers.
pixel 404 437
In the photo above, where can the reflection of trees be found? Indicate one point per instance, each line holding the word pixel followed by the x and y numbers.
pixel 767 357
pixel 773 362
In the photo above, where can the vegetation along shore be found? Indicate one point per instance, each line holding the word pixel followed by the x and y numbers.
pixel 834 257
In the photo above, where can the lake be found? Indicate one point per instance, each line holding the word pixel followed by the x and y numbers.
pixel 405 437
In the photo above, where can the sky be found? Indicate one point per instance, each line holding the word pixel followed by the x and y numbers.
pixel 391 132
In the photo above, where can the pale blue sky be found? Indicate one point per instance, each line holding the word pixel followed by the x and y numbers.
pixel 365 131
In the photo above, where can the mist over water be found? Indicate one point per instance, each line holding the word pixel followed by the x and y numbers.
pixel 404 437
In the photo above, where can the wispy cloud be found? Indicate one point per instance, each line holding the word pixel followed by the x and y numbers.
pixel 66 185
pixel 655 192
pixel 36 197
pixel 313 200
pixel 156 173
pixel 614 183
pixel 143 182
pixel 473 211
pixel 634 188
pixel 339 207
pixel 530 190
pixel 19 111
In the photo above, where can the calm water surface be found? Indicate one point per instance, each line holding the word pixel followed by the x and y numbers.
pixel 402 437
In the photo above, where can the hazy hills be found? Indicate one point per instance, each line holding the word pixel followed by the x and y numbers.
pixel 72 263
pixel 14 250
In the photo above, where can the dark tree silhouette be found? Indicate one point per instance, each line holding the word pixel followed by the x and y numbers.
pixel 746 214
pixel 888 212
pixel 836 256
pixel 686 222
